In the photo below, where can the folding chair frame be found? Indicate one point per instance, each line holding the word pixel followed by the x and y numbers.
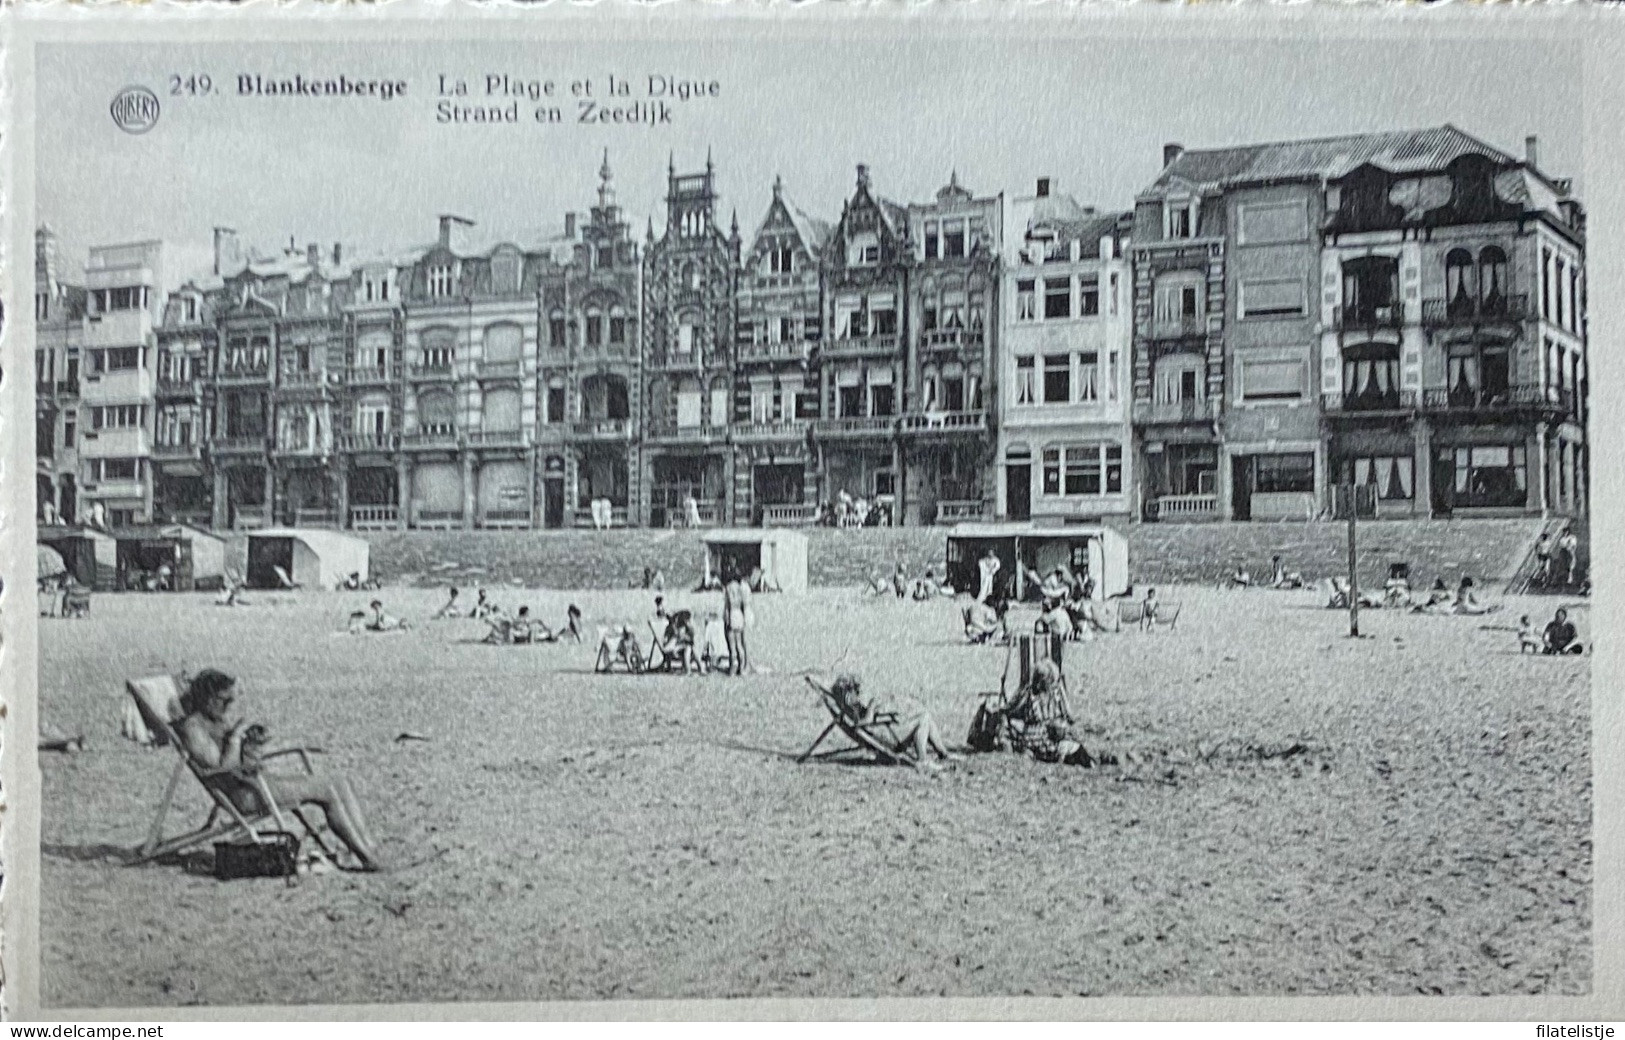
pixel 237 823
pixel 865 742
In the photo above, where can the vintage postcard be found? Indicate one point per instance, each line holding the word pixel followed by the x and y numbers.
pixel 789 510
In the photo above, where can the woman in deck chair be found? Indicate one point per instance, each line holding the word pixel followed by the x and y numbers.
pixel 215 741
pixel 910 731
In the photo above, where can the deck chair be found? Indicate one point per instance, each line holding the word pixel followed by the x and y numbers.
pixel 618 646
pixel 1167 616
pixel 284 579
pixel 870 740
pixel 1130 612
pixel 1028 652
pixel 157 699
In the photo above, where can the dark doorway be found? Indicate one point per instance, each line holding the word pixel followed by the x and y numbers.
pixel 1241 487
pixel 1018 491
pixel 553 502
pixel 1444 481
pixel 265 555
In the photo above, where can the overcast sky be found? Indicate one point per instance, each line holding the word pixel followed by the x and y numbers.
pixel 1091 113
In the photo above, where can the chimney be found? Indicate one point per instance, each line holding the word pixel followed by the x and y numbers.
pixel 313 254
pixel 863 175
pixel 445 232
pixel 1043 187
pixel 338 254
pixel 227 252
pixel 1171 151
pixel 1531 151
pixel 570 226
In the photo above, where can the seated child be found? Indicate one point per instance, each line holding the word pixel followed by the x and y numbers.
pixel 714 642
pixel 1530 640
pixel 451 609
pixel 523 629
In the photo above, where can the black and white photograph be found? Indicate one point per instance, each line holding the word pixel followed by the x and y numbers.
pixel 787 509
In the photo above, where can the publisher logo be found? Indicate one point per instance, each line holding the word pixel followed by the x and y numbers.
pixel 135 110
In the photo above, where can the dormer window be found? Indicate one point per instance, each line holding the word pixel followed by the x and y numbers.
pixel 440 280
pixel 781 260
pixel 1179 218
pixel 953 239
pixel 863 249
pixel 189 309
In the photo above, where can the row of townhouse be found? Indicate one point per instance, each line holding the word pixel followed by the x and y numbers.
pixel 1404 311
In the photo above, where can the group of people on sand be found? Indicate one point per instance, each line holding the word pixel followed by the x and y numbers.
pixel 1559 637
pixel 1280 577
pixel 504 628
pixel 1557 560
pixel 921 590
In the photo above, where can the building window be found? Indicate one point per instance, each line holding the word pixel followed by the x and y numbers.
pixel 118 417
pixel 883 315
pixel 1179 220
pixel 978 310
pixel 1265 223
pixel 1088 376
pixel 1280 474
pixel 931 240
pixel 1460 283
pixel 440 281
pixel 1546 284
pixel 594 329
pixel 1057 298
pixel 1177 303
pixel 863 249
pixel 953 239
pixel 685 339
pixel 1026 309
pixel 1083 469
pixel 617 328
pixel 555 405
pixel 1052 471
pixel 1272 380
pixel 1371 291
pixel 1179 378
pixel 118 469
pixel 1491 475
pixel 1088 295
pixel 782 259
pixel 1057 378
pixel 1272 298
pixel 1393 476
pixel 70 432
pixel 555 328
pixel 1557 307
pixel 1025 390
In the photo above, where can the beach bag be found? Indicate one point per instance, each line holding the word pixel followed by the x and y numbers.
pixel 987 731
pixel 276 856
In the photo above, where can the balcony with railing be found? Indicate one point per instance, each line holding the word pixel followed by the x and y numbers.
pixel 944 423
pixel 440 519
pixel 1388 402
pixel 1501 309
pixel 786 350
pixel 800 514
pixel 369 440
pixel 375 518
pixel 1389 316
pixel 430 438
pixel 67 388
pixel 358 376
pixel 1179 326
pixel 244 373
pixel 1185 410
pixel 673 433
pixel 857 426
pixel 505 518
pixel 601 429
pixel 772 430
pixel 496 439
pixel 176 452
pixel 952 339
pixel 303 381
pixel 861 346
pixel 1183 508
pixel 954 511
pixel 500 369
pixel 1500 400
pixel 179 389
pixel 240 444
pixel 432 372
pixel 582 517
pixel 315 517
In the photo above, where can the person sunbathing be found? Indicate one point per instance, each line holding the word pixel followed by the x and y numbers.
pixel 927 588
pixel 875 585
pixel 523 629
pixel 215 741
pixel 451 609
pixel 499 626
pixel 1240 578
pixel 1560 636
pixel 905 728
pixel 1467 602
pixel 382 622
pixel 985 621
pixel 1281 578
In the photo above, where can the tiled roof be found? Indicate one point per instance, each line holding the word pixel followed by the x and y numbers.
pixel 1397 151
pixel 813 231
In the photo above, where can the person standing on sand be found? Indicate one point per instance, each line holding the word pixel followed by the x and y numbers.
pixel 735 616
pixel 988 568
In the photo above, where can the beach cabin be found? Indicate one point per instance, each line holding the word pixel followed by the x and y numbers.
pixel 91 556
pixel 192 559
pixel 312 559
pixel 1100 549
pixel 780 553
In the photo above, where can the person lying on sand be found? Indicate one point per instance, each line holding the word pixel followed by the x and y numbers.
pixel 1281 578
pixel 875 585
pixel 1240 578
pixel 1467 602
pixel 382 622
pixel 230 594
pixel 1439 600
pixel 927 588
pixel 451 609
pixel 213 740
pixel 1339 598
pixel 903 726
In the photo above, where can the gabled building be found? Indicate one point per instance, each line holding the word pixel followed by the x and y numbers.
pixel 59 324
pixel 862 362
pixel 776 391
pixel 470 402
pixel 188 345
pixel 689 278
pixel 951 331
pixel 1065 374
pixel 591 373
pixel 1363 308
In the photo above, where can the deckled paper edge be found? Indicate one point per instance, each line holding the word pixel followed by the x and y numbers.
pixel 1598 28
